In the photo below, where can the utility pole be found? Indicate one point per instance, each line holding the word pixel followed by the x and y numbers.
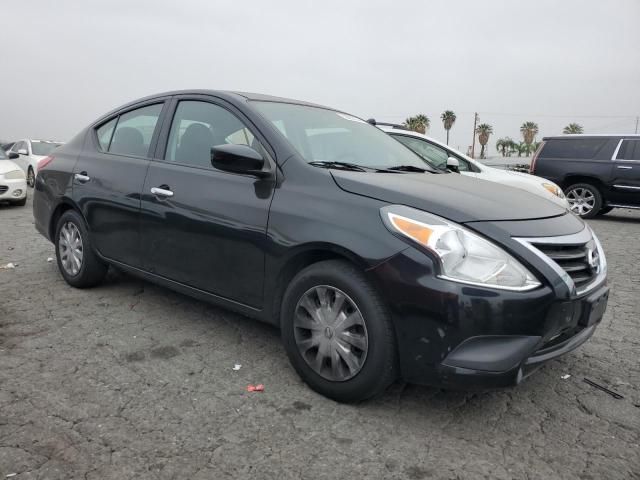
pixel 637 118
pixel 473 145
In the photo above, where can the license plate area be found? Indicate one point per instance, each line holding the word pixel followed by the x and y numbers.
pixel 593 308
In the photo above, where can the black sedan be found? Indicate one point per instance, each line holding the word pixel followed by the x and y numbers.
pixel 373 264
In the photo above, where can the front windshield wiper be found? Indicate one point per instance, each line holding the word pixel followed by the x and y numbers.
pixel 408 168
pixel 341 165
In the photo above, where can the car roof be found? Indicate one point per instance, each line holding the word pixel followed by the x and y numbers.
pixel 591 135
pixel 228 95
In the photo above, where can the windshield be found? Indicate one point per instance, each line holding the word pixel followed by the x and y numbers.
pixel 322 135
pixel 43 148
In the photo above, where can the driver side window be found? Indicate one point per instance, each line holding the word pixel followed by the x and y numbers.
pixel 435 155
pixel 464 165
pixel 197 126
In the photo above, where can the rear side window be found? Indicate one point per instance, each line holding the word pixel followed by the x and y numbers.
pixel 629 150
pixel 105 132
pixel 134 131
pixel 578 148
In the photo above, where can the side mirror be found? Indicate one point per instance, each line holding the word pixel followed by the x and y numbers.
pixel 13 155
pixel 453 164
pixel 239 159
pixel 23 151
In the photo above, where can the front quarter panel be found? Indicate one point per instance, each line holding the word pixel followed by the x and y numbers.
pixel 310 213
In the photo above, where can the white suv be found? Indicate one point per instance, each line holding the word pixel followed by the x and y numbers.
pixel 30 152
pixel 442 156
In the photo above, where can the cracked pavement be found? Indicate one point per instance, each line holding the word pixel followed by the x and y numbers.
pixel 131 380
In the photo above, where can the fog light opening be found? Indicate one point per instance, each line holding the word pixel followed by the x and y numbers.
pixel 17 193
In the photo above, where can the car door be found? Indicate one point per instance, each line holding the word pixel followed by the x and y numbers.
pixel 625 185
pixel 200 226
pixel 109 176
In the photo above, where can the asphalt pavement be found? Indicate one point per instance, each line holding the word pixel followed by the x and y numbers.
pixel 131 380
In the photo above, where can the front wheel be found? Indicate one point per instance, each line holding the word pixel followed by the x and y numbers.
pixel 584 199
pixel 31 177
pixel 338 333
pixel 77 262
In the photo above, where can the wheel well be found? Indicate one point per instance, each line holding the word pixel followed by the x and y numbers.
pixel 57 213
pixel 573 179
pixel 299 262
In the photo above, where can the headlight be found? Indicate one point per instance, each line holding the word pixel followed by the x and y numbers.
pixel 464 256
pixel 553 188
pixel 14 175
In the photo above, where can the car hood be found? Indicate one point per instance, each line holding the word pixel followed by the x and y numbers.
pixel 7 166
pixel 524 181
pixel 454 197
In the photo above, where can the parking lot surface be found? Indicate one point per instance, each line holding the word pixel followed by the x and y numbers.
pixel 130 380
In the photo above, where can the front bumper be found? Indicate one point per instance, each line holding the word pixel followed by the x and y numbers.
pixel 463 337
pixel 13 190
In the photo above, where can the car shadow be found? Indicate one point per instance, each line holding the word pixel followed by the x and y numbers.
pixel 633 216
pixel 257 337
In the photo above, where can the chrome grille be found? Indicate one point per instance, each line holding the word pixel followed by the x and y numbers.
pixel 578 258
pixel 579 261
pixel 3 188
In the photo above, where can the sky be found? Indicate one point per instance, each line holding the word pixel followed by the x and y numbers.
pixel 67 62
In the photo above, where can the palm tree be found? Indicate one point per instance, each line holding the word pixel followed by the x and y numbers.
pixel 513 148
pixel 420 123
pixel 483 130
pixel 448 119
pixel 573 128
pixel 529 131
pixel 410 123
pixel 504 145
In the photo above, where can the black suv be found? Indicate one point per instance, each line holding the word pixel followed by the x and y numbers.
pixel 373 264
pixel 597 172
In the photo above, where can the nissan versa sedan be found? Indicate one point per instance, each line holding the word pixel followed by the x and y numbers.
pixel 374 266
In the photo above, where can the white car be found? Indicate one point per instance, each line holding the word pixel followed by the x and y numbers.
pixel 30 152
pixel 13 183
pixel 442 156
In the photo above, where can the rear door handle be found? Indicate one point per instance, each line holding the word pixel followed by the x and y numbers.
pixel 162 191
pixel 82 177
pixel 624 168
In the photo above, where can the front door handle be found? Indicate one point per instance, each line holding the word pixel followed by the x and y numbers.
pixel 82 177
pixel 162 191
pixel 624 168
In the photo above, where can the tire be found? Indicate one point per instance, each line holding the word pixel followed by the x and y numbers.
pixel 605 210
pixel 584 199
pixel 20 203
pixel 31 177
pixel 376 363
pixel 91 270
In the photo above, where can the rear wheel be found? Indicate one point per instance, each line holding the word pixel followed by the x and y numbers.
pixel 337 332
pixel 584 199
pixel 31 177
pixel 77 262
